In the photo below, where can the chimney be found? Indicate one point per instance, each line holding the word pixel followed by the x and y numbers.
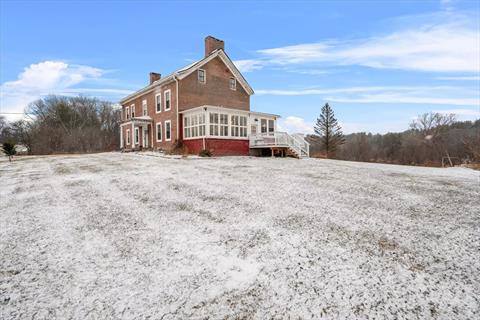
pixel 154 77
pixel 212 44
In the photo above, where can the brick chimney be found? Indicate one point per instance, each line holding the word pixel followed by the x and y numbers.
pixel 212 44
pixel 154 77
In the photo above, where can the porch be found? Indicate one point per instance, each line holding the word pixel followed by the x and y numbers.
pixel 281 143
pixel 136 133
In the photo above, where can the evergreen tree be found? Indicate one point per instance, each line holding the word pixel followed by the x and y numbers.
pixel 9 149
pixel 328 130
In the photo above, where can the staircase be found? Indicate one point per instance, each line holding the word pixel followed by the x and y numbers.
pixel 294 144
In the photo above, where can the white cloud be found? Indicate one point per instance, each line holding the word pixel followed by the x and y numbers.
pixel 447 95
pixel 293 124
pixel 446 42
pixel 461 112
pixel 248 65
pixel 48 77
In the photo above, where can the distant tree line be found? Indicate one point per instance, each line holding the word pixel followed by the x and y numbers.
pixel 431 139
pixel 59 124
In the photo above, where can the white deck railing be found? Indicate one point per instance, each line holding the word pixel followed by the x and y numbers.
pixel 296 142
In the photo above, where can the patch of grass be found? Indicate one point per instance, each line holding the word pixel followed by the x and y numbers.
pixel 387 244
pixel 61 169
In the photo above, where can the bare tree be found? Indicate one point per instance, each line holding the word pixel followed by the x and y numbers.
pixel 73 124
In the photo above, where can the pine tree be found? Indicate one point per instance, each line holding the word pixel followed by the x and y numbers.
pixel 9 149
pixel 329 131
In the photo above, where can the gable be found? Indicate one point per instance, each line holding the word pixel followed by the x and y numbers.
pixel 226 61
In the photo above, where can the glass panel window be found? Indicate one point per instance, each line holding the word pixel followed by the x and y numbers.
pixel 158 103
pixel 144 107
pixel 128 136
pixel 214 124
pixel 168 131
pixel 223 125
pixel 243 126
pixel 132 107
pixel 233 83
pixel 127 113
pixel 239 126
pixel 201 125
pixel 201 76
pixel 263 125
pixel 271 127
pixel 167 100
pixel 194 126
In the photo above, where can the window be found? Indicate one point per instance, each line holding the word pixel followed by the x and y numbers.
pixel 194 126
pixel 201 125
pixel 219 124
pixel 127 113
pixel 168 130
pixel 223 125
pixel 158 103
pixel 239 126
pixel 144 107
pixel 263 125
pixel 233 83
pixel 214 124
pixel 128 136
pixel 159 131
pixel 271 127
pixel 137 136
pixel 202 76
pixel 167 99
pixel 132 107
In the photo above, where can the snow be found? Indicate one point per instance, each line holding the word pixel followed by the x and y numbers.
pixel 139 235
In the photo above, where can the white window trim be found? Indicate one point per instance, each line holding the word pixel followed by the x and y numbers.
pixel 127 112
pixel 191 126
pixel 132 110
pixel 144 107
pixel 170 125
pixel 157 125
pixel 165 99
pixel 137 130
pixel 128 137
pixel 250 122
pixel 204 76
pixel 156 96
pixel 234 83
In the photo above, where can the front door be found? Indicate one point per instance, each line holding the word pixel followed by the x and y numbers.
pixel 145 137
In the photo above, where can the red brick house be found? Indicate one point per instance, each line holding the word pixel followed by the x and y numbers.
pixel 207 106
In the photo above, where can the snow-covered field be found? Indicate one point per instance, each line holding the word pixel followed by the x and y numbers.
pixel 137 236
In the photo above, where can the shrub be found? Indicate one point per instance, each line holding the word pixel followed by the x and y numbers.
pixel 9 149
pixel 205 153
pixel 178 148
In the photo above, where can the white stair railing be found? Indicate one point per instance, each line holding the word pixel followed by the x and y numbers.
pixel 295 142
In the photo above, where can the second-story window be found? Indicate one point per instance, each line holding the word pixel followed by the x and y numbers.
pixel 132 107
pixel 233 83
pixel 201 76
pixel 127 113
pixel 144 107
pixel 158 103
pixel 167 100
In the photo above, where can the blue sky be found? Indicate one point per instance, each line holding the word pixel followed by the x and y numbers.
pixel 378 63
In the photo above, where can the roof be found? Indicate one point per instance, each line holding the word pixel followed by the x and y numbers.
pixel 187 70
pixel 260 114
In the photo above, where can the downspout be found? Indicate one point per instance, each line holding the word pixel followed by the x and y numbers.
pixel 176 99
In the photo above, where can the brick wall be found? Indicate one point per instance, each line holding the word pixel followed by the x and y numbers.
pixel 158 117
pixel 218 147
pixel 215 91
